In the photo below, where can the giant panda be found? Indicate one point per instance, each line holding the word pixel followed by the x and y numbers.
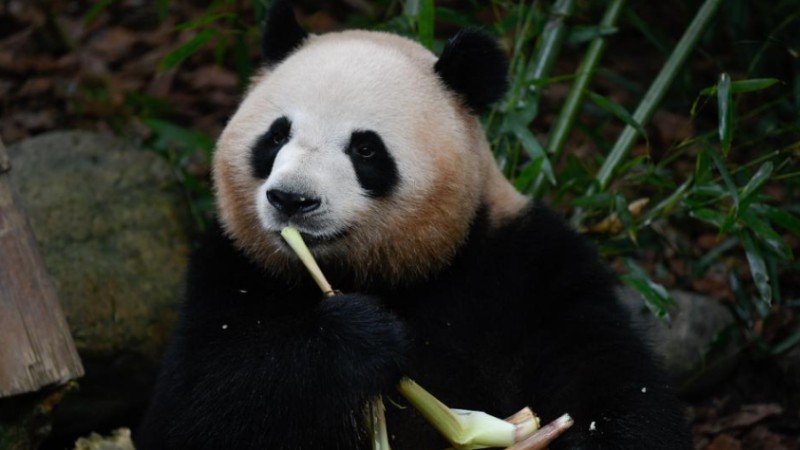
pixel 371 146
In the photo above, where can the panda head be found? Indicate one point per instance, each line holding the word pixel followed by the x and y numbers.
pixel 368 144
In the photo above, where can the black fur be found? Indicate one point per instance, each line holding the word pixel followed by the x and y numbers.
pixel 474 66
pixel 268 145
pixel 374 166
pixel 524 315
pixel 282 34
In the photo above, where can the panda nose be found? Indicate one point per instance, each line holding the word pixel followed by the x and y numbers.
pixel 291 203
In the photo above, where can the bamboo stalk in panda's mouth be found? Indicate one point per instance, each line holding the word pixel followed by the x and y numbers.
pixel 464 429
pixel 295 241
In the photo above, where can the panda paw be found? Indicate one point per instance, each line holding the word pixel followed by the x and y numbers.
pixel 369 342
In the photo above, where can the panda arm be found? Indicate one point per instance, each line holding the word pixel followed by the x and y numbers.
pixel 584 357
pixel 275 366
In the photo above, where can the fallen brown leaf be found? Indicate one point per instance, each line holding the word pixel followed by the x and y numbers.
pixel 724 442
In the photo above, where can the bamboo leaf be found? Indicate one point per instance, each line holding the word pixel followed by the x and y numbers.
pixel 766 234
pixel 426 21
pixel 580 34
pixel 711 216
pixel 712 191
pixel 725 108
pixel 665 206
pixel 742 86
pixel 758 268
pixel 785 219
pixel 203 20
pixel 96 9
pixel 726 177
pixel 423 12
pixel 786 344
pixel 656 296
pixel 759 178
pixel 702 171
pixel 534 149
pixel 602 200
pixel 617 111
pixel 186 50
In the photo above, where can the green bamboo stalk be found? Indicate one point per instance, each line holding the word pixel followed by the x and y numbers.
pixel 550 45
pixel 657 90
pixel 569 112
pixel 652 98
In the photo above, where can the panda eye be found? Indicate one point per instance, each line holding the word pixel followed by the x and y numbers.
pixel 278 133
pixel 364 151
pixel 279 137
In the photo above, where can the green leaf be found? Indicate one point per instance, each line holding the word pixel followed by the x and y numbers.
pixel 766 234
pixel 656 296
pixel 621 208
pixel 742 86
pixel 602 200
pixel 163 8
pixel 454 17
pixel 786 344
pixel 534 149
pixel 426 23
pixel 712 255
pixel 617 111
pixel 528 173
pixel 785 219
pixel 711 216
pixel 423 12
pixel 758 268
pixel 726 177
pixel 171 135
pixel 726 110
pixel 202 21
pixel 754 185
pixel 710 191
pixel 96 9
pixel 664 207
pixel 702 170
pixel 186 50
pixel 581 33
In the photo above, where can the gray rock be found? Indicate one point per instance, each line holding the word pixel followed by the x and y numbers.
pixel 111 222
pixel 683 346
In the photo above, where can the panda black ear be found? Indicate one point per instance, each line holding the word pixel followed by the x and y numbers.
pixel 474 66
pixel 282 33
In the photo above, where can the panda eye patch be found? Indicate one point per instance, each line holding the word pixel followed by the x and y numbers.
pixel 365 152
pixel 268 145
pixel 374 166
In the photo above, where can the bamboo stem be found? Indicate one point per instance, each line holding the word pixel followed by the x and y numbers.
pixel 542 438
pixel 295 241
pixel 569 112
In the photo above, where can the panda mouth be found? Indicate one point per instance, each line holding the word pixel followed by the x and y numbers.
pixel 316 240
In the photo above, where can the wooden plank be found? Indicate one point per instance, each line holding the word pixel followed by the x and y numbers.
pixel 36 348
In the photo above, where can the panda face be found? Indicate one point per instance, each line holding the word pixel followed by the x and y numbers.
pixel 355 141
pixel 319 188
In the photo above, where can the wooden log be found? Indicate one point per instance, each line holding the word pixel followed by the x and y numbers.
pixel 36 348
